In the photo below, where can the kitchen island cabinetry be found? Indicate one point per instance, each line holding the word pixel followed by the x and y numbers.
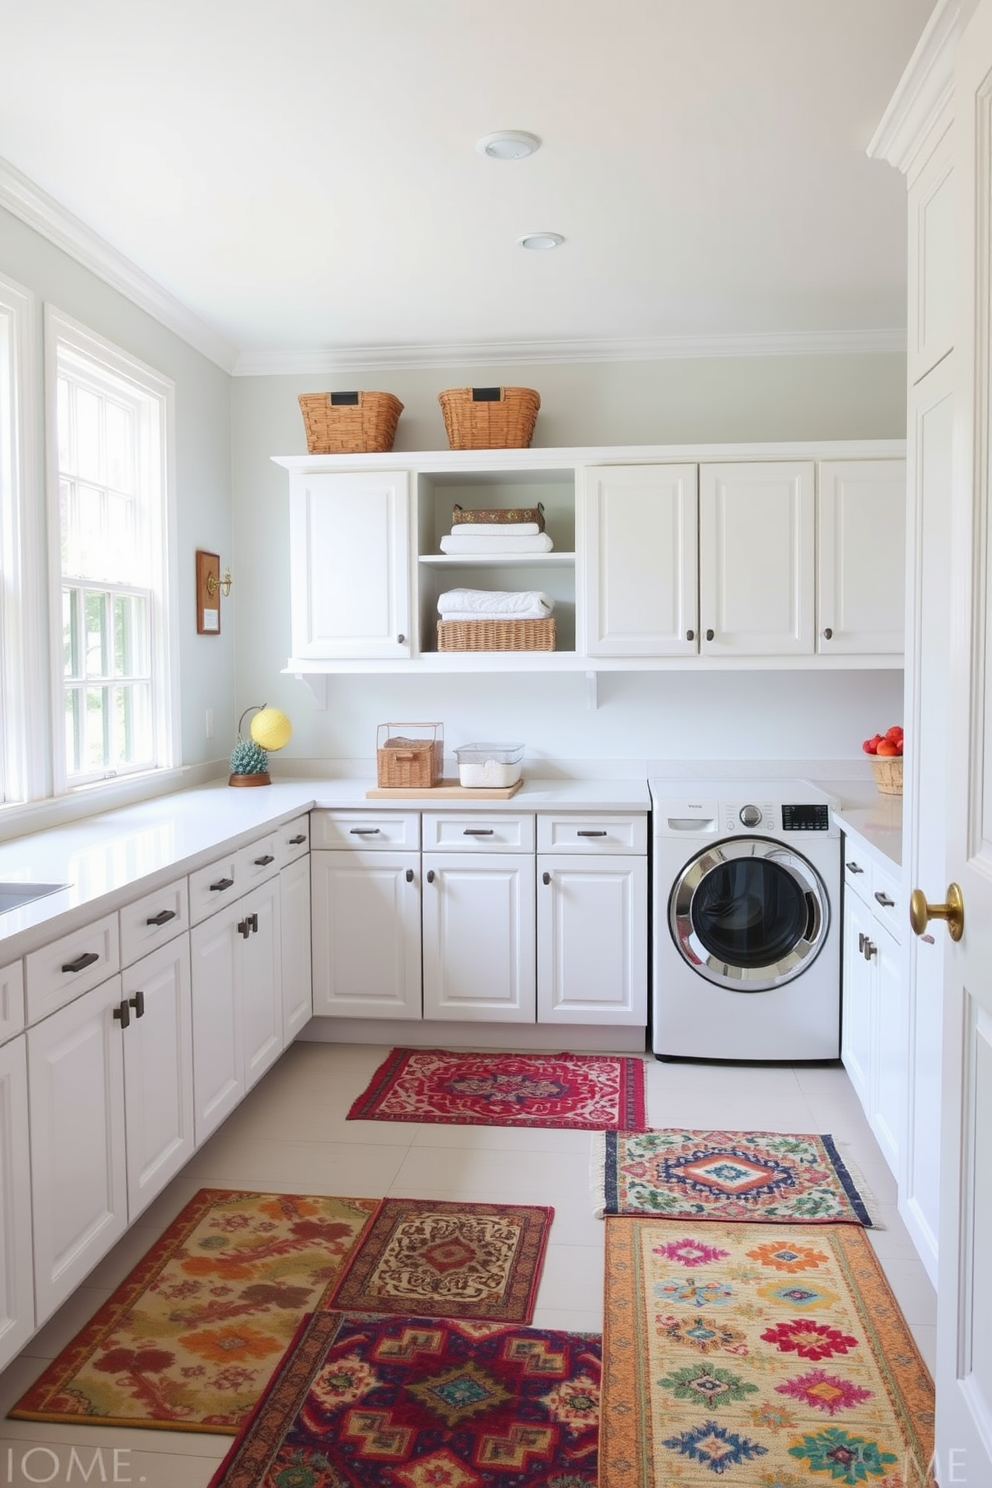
pixel 16 1276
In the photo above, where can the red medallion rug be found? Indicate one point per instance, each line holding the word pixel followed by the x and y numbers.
pixel 451 1260
pixel 772 1358
pixel 359 1402
pixel 592 1092
pixel 188 1340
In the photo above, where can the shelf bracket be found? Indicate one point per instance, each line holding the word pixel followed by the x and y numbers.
pixel 592 691
pixel 317 683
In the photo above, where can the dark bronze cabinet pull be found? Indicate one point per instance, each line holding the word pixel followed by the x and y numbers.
pixel 162 918
pixel 853 867
pixel 709 635
pixel 138 1003
pixel 295 841
pixel 264 860
pixel 884 900
pixel 546 878
pixel 477 832
pixel 409 875
pixel 690 635
pixel 582 833
pixel 254 922
pixel 123 1013
pixel 222 883
pixel 81 962
pixel 244 928
pixel 430 875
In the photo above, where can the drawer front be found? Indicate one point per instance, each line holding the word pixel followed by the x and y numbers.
pixel 259 861
pixel 857 871
pixel 478 831
pixel 153 920
pixel 293 840
pixel 59 972
pixel 888 900
pixel 366 830
pixel 592 833
pixel 11 1000
pixel 212 887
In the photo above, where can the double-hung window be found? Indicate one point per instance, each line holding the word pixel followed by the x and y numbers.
pixel 114 695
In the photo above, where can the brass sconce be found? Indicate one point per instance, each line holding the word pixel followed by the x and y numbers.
pixel 209 588
pixel 223 585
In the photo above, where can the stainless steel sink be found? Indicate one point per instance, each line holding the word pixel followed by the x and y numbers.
pixel 13 895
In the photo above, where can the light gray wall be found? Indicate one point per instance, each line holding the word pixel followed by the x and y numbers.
pixel 668 716
pixel 202 456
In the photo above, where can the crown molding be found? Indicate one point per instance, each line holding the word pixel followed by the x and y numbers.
pixel 25 200
pixel 629 349
pixel 924 90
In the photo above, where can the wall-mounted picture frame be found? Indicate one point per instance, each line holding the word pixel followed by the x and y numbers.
pixel 207 593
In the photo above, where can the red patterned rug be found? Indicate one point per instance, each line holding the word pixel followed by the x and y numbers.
pixel 424 1403
pixel 450 1260
pixel 592 1092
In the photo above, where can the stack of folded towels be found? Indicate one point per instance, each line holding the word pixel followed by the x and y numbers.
pixel 495 534
pixel 494 604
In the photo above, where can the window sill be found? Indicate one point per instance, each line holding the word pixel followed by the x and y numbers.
pixel 17 818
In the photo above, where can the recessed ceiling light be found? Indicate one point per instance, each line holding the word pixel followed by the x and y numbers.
pixel 541 240
pixel 508 144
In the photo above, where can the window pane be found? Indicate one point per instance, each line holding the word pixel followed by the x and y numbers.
pixel 64 425
pixel 96 730
pixel 73 730
pixel 131 656
pixel 87 546
pixel 70 633
pixel 89 408
pixel 97 640
pixel 131 743
pixel 121 560
pixel 120 462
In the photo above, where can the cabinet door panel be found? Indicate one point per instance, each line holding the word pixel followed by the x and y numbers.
pixel 78 1169
pixel 218 1077
pixel 639 526
pixel 756 558
pixel 479 937
pixel 158 1071
pixel 888 1114
pixel 858 1020
pixel 861 556
pixel 349 541
pixel 16 1277
pixel 592 940
pixel 365 911
pixel 261 981
pixel 294 908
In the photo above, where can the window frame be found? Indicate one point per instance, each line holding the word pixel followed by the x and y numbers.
pixel 119 368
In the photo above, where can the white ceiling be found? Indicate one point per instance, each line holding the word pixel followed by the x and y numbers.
pixel 302 174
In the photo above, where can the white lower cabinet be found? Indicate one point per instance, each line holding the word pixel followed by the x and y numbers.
pixel 592 939
pixel 16 1274
pixel 261 981
pixel 294 933
pixel 479 936
pixel 365 926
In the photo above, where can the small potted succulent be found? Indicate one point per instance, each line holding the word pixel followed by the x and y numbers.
pixel 269 730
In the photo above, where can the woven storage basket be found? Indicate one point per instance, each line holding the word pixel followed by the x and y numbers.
pixel 409 754
pixel 489 418
pixel 349 423
pixel 495 635
pixel 888 774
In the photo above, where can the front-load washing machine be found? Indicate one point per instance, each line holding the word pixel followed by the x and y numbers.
pixel 746 924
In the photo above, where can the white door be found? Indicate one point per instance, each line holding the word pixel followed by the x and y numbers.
pixel 294 915
pixel 78 1167
pixel 365 924
pixel 861 545
pixel 964 1312
pixel 261 980
pixel 218 1068
pixel 350 564
pixel 638 561
pixel 592 940
pixel 479 937
pixel 757 558
pixel 158 1071
pixel 16 1279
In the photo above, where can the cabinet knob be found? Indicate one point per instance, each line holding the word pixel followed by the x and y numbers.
pixel 861 942
pixel 546 878
pixel 138 1003
pixel 409 875
pixel 122 1012
pixel 709 635
pixel 828 634
pixel 400 639
pixel 430 875
pixel 244 928
pixel 690 635
pixel 870 949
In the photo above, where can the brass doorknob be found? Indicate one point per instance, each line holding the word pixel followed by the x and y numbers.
pixel 920 912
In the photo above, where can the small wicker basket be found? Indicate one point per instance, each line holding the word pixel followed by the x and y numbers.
pixel 489 418
pixel 888 774
pixel 496 635
pixel 409 754
pixel 349 423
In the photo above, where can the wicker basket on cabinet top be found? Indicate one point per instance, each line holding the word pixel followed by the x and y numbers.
pixel 496 635
pixel 489 418
pixel 349 423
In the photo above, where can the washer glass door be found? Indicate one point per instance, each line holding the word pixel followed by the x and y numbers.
pixel 749 914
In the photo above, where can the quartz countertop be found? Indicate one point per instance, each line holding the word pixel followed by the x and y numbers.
pixel 108 859
pixel 872 816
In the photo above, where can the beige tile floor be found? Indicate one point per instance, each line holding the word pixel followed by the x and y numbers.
pixel 291 1135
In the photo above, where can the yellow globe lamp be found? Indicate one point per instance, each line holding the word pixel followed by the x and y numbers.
pixel 271 729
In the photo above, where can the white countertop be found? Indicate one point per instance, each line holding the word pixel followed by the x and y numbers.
pixel 874 817
pixel 102 858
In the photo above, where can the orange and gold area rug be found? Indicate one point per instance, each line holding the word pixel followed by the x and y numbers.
pixel 766 1357
pixel 366 1402
pixel 189 1340
pixel 455 1260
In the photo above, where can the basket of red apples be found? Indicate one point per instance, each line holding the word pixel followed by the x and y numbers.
pixel 885 753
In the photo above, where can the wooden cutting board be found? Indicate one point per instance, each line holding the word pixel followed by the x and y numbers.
pixel 449 789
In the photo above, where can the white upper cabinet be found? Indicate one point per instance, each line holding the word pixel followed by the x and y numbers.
pixel 639 527
pixel 861 556
pixel 350 557
pixel 757 558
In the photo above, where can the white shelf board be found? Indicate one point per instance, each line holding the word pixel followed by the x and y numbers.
pixel 497 560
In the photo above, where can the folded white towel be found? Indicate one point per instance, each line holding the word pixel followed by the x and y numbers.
pixel 534 614
pixel 507 602
pixel 491 529
pixel 539 543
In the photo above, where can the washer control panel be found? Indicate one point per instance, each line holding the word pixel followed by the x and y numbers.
pixel 806 818
pixel 750 815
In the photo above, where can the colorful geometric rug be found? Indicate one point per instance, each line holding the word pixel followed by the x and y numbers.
pixel 764 1356
pixel 593 1092
pixel 448 1260
pixel 762 1176
pixel 363 1402
pixel 187 1342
